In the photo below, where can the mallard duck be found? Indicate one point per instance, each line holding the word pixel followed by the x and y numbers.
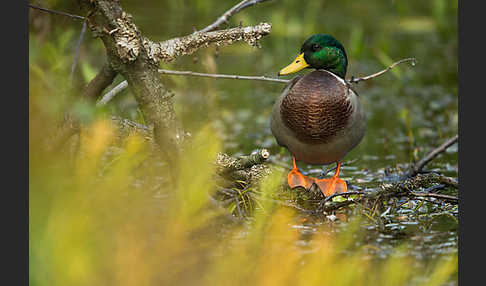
pixel 318 117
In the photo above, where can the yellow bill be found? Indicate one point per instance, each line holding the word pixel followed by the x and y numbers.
pixel 297 65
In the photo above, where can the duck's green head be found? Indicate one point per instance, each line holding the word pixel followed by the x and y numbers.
pixel 320 51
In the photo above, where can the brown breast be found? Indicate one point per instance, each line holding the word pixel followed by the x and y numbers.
pixel 316 108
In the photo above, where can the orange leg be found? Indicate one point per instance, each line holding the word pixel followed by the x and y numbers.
pixel 332 185
pixel 297 179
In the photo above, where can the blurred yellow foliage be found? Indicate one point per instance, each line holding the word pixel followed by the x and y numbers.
pixel 98 229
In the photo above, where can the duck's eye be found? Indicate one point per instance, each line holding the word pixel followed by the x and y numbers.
pixel 316 47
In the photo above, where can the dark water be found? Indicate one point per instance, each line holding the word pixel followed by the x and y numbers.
pixel 410 110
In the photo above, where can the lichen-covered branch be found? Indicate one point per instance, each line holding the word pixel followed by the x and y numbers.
pixel 171 49
pixel 127 55
pixel 226 164
pixel 250 175
pixel 248 168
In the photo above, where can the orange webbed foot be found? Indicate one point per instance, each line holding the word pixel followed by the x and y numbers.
pixel 332 185
pixel 297 179
pixel 327 186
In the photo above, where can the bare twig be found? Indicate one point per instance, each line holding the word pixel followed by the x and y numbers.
pixel 57 12
pixel 109 95
pixel 417 168
pixel 226 76
pixel 123 85
pixel 263 78
pixel 356 80
pixel 235 9
pixel 76 55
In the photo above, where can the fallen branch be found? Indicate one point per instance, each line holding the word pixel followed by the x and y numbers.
pixel 437 196
pixel 247 168
pixel 411 184
pixel 448 181
pixel 235 9
pixel 343 195
pixel 406 186
pixel 228 164
pixel 417 168
pixel 388 190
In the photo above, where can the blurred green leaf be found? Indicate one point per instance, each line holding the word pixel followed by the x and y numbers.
pixel 87 70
